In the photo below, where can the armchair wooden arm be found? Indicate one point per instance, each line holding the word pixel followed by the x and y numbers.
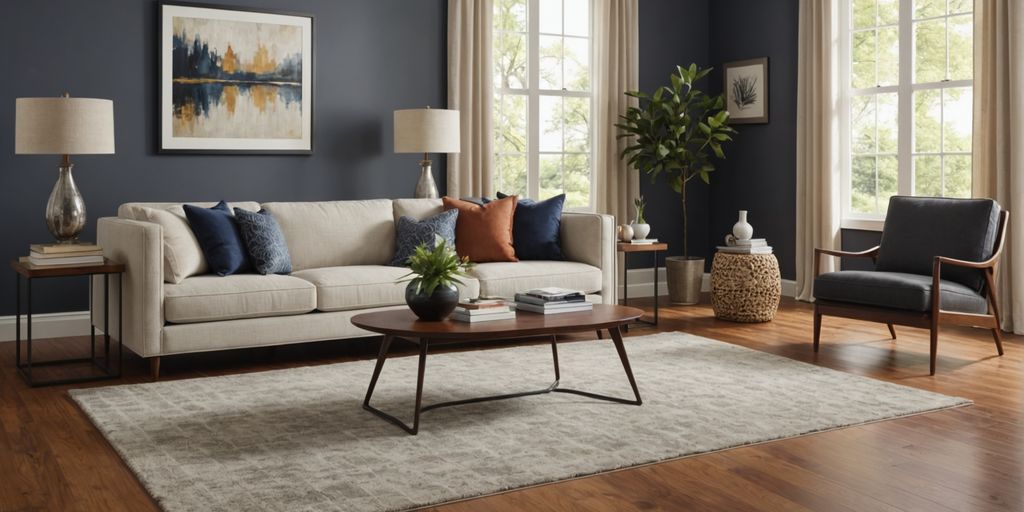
pixel 870 253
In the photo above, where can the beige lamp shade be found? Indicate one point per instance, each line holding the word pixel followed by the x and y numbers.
pixel 427 130
pixel 63 126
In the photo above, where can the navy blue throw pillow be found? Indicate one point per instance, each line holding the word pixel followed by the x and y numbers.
pixel 264 241
pixel 535 228
pixel 217 232
pixel 411 233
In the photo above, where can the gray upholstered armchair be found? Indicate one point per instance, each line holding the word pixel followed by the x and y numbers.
pixel 936 264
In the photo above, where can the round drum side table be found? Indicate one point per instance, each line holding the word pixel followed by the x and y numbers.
pixel 745 287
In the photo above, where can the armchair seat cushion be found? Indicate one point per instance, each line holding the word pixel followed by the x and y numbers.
pixel 896 290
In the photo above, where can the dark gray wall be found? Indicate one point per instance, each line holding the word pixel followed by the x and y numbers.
pixel 759 174
pixel 372 57
pixel 673 32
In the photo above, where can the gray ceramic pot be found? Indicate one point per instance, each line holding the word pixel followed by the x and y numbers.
pixel 684 276
pixel 434 307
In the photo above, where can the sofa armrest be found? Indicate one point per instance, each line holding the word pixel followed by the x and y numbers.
pixel 139 246
pixel 590 238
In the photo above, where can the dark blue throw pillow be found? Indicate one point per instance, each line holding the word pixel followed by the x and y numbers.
pixel 264 241
pixel 535 228
pixel 411 233
pixel 217 232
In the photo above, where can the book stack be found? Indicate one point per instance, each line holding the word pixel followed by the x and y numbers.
pixel 483 311
pixel 752 246
pixel 65 255
pixel 549 301
pixel 644 241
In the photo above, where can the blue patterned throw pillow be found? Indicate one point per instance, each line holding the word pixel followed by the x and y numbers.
pixel 411 233
pixel 264 241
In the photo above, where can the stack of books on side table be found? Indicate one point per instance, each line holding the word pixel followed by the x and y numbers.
pixel 483 311
pixel 65 255
pixel 549 301
pixel 751 246
pixel 644 241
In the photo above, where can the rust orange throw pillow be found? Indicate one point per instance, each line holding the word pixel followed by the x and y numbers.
pixel 484 233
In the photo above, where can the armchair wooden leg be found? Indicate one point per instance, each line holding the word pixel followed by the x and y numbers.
pixel 934 331
pixel 817 328
pixel 154 368
pixel 993 302
pixel 892 330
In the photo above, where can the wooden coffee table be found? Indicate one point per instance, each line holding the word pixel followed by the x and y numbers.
pixel 404 324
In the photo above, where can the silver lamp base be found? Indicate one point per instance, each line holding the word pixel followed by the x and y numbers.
pixel 65 211
pixel 426 188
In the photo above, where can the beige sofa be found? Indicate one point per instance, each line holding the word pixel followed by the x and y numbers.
pixel 340 253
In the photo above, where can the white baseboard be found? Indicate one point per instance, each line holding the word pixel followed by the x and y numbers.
pixel 47 325
pixel 641 283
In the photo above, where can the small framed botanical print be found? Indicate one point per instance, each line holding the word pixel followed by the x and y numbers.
pixel 234 80
pixel 746 91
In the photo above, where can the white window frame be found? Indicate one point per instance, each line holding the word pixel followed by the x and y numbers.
pixel 905 90
pixel 533 92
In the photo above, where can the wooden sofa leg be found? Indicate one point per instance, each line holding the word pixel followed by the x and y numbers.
pixel 154 368
pixel 599 335
pixel 817 327
pixel 892 330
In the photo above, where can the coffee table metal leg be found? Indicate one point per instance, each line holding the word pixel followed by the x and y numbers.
pixel 381 357
pixel 554 353
pixel 621 349
pixel 424 344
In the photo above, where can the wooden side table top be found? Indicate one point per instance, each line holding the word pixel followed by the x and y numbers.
pixel 27 269
pixel 628 247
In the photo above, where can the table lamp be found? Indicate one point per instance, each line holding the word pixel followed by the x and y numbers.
pixel 64 126
pixel 426 130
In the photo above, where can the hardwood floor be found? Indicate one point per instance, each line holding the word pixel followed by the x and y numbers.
pixel 971 458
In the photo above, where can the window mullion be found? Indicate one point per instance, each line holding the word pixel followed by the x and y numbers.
pixel 533 156
pixel 905 100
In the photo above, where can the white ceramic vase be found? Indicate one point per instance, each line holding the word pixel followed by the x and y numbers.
pixel 742 230
pixel 640 231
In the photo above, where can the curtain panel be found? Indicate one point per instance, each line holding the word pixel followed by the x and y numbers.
pixel 471 92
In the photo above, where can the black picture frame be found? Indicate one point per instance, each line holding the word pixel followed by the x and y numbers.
pixel 758 69
pixel 163 102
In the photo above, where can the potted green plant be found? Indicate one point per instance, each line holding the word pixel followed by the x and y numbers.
pixel 675 132
pixel 639 225
pixel 434 272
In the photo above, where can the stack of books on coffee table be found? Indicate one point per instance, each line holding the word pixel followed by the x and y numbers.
pixel 65 255
pixel 483 311
pixel 751 246
pixel 549 301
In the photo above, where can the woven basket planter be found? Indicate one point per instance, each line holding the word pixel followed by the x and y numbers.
pixel 745 287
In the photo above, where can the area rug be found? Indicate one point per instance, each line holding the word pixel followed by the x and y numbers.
pixel 298 439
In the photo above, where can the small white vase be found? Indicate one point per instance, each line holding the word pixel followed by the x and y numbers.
pixel 625 233
pixel 742 230
pixel 640 231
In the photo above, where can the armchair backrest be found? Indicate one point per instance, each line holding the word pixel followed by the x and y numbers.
pixel 919 228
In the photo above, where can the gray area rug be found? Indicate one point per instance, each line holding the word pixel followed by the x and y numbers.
pixel 298 439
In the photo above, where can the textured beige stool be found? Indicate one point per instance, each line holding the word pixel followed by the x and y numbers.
pixel 745 287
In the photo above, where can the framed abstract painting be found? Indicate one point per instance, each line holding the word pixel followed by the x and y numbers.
pixel 234 80
pixel 746 91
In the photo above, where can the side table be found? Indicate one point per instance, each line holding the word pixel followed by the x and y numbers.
pixel 745 287
pixel 29 272
pixel 626 249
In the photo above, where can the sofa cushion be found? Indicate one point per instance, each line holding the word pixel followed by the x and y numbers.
pixel 365 286
pixel 219 237
pixel 484 233
pixel 337 233
pixel 418 209
pixel 502 279
pixel 895 290
pixel 535 228
pixel 411 233
pixel 919 228
pixel 268 252
pixel 211 298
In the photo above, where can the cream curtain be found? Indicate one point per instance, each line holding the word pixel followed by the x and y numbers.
pixel 616 70
pixel 817 140
pixel 470 91
pixel 998 137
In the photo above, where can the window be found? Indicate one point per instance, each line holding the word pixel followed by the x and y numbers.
pixel 908 108
pixel 542 99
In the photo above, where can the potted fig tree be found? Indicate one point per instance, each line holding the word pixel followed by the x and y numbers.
pixel 675 132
